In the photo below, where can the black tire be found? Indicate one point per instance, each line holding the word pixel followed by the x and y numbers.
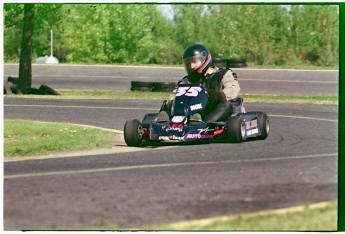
pixel 236 60
pixel 46 90
pixel 13 80
pixel 167 90
pixel 133 132
pixel 152 86
pixel 164 85
pixel 35 91
pixel 142 84
pixel 230 62
pixel 236 129
pixel 236 65
pixel 264 125
pixel 145 89
pixel 219 62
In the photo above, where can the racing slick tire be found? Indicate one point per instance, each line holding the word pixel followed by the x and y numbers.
pixel 133 132
pixel 264 124
pixel 236 129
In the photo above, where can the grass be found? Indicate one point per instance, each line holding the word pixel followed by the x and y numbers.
pixel 266 98
pixel 118 95
pixel 304 219
pixel 318 217
pixel 129 95
pixel 23 138
pixel 292 66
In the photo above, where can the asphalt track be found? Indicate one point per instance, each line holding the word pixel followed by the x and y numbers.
pixel 126 188
pixel 112 77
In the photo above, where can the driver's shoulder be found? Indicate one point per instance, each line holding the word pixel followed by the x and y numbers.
pixel 184 80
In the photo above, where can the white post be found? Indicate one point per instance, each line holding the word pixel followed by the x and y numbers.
pixel 51 58
pixel 51 42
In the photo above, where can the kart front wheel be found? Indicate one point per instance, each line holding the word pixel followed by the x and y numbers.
pixel 236 129
pixel 133 132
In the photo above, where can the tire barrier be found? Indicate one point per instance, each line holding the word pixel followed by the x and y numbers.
pixel 152 86
pixel 230 62
pixel 11 87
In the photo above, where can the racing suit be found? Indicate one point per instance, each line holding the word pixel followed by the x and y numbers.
pixel 222 86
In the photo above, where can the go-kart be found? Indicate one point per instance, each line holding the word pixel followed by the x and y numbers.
pixel 191 99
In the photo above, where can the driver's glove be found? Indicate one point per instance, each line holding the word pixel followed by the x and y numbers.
pixel 212 94
pixel 222 97
pixel 216 96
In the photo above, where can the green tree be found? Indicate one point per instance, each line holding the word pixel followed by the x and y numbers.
pixel 190 24
pixel 139 34
pixel 48 17
pixel 113 33
pixel 25 68
pixel 315 33
pixel 132 35
pixel 13 22
pixel 15 19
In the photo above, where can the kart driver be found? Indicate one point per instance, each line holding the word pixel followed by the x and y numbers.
pixel 221 85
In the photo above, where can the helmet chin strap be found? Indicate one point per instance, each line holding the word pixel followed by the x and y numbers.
pixel 199 71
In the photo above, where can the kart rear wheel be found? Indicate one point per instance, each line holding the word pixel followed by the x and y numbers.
pixel 236 129
pixel 264 124
pixel 133 132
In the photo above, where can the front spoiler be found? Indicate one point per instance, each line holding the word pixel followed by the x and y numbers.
pixel 201 131
pixel 180 132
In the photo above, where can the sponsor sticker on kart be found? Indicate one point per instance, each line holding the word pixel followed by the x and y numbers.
pixel 252 127
pixel 178 119
pixel 199 136
pixel 175 127
pixel 168 138
pixel 252 132
pixel 163 138
pixel 196 107
pixel 252 124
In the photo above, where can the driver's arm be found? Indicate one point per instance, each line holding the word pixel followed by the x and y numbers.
pixel 231 88
pixel 173 93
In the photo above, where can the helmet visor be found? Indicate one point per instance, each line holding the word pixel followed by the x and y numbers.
pixel 193 63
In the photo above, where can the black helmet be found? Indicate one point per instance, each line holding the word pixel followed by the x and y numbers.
pixel 196 59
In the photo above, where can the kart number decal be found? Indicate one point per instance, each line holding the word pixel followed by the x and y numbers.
pixel 188 91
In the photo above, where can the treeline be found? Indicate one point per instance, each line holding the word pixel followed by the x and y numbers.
pixel 142 34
